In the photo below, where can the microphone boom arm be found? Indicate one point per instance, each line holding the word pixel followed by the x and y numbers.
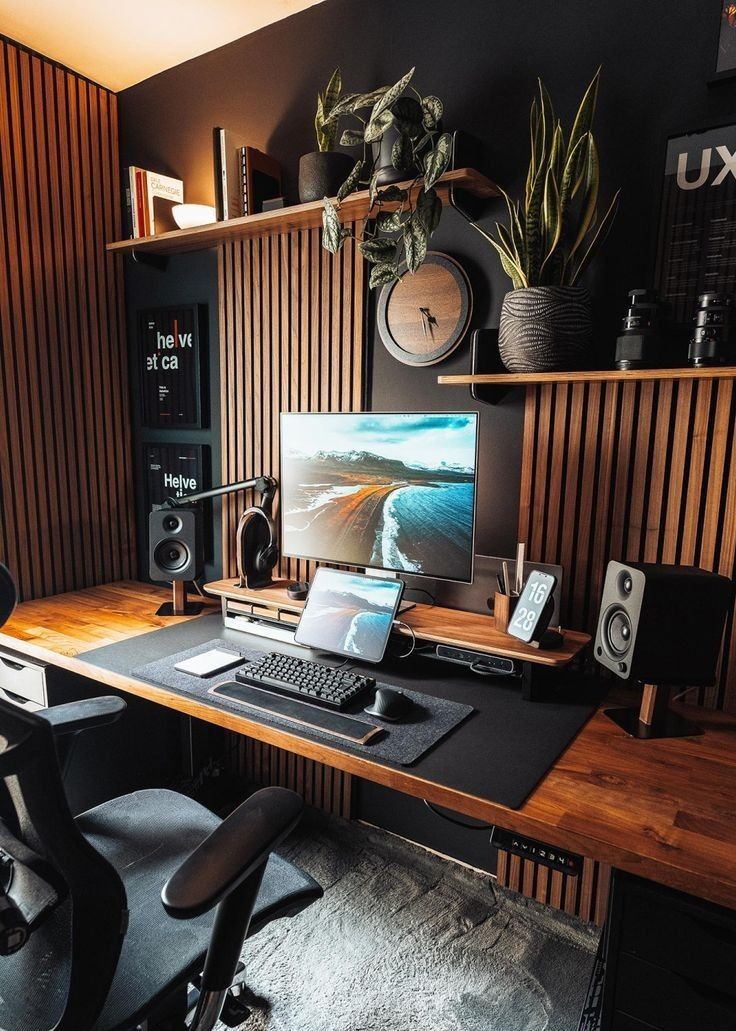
pixel 265 485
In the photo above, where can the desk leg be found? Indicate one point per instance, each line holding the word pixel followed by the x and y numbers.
pixel 533 682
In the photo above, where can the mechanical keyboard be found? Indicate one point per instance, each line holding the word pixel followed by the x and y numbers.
pixel 311 681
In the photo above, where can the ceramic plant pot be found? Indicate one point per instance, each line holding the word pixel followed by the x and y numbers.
pixel 322 174
pixel 545 328
pixel 385 171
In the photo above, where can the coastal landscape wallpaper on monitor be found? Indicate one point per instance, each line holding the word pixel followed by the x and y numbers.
pixel 349 614
pixel 392 491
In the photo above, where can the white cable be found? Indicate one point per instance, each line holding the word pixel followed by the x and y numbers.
pixel 400 622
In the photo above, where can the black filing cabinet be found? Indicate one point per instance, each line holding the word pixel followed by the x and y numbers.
pixel 670 961
pixel 142 749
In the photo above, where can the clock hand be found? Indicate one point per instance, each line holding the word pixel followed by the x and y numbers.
pixel 430 320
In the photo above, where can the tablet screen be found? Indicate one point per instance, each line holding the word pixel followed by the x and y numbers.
pixel 349 614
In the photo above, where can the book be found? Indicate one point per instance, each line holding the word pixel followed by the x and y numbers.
pixel 128 227
pixel 149 197
pixel 260 176
pixel 130 195
pixel 244 176
pixel 228 192
pixel 140 203
pixel 162 192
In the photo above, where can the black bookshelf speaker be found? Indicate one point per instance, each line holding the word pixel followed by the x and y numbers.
pixel 175 549
pixel 662 624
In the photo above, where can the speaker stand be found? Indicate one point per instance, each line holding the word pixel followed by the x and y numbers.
pixel 654 718
pixel 179 605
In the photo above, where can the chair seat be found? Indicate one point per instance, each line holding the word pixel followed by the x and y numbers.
pixel 146 836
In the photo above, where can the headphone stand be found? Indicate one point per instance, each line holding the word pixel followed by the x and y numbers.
pixel 179 605
pixel 654 718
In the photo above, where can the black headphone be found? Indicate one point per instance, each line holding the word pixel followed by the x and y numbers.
pixel 265 556
pixel 8 594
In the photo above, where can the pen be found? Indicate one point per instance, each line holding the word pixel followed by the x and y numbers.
pixel 500 583
pixel 506 578
pixel 520 549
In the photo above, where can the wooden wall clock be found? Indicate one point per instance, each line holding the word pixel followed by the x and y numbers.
pixel 423 317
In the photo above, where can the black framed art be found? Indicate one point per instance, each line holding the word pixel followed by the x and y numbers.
pixel 696 236
pixel 172 342
pixel 174 471
pixel 726 46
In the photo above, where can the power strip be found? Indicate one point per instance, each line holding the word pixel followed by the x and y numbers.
pixel 538 852
pixel 260 627
pixel 479 662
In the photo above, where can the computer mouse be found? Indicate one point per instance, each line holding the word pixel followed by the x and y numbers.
pixel 390 704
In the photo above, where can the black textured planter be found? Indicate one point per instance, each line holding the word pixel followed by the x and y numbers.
pixel 322 174
pixel 545 329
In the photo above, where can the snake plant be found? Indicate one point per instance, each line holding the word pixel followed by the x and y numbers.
pixel 325 126
pixel 554 232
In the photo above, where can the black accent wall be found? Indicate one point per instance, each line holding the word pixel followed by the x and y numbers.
pixel 482 57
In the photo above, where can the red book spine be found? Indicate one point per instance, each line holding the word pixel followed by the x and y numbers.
pixel 141 206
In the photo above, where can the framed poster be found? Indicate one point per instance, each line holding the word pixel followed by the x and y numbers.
pixel 171 366
pixel 696 238
pixel 174 470
pixel 726 49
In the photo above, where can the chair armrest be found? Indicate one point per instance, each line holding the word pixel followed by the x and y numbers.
pixel 72 717
pixel 232 852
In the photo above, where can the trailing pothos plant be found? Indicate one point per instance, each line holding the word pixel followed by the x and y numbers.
pixel 552 236
pixel 394 241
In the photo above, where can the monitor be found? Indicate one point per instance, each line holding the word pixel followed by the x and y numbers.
pixel 381 491
pixel 349 614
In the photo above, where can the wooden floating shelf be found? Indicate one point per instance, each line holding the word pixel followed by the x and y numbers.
pixel 428 623
pixel 533 379
pixel 286 220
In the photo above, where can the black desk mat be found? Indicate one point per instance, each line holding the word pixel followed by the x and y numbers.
pixel 402 743
pixel 500 752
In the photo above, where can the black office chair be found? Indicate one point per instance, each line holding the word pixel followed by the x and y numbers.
pixel 105 920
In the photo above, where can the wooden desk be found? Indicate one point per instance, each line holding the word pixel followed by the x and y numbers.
pixel 665 810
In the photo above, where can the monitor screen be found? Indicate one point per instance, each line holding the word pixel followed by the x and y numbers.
pixel 381 491
pixel 349 614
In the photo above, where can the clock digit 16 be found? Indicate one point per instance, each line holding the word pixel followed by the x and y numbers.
pixel 535 602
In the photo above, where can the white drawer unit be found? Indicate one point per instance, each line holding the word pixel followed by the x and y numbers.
pixel 22 682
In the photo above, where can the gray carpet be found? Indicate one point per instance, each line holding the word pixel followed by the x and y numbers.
pixel 404 941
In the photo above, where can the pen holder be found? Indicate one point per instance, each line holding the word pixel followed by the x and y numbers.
pixel 502 610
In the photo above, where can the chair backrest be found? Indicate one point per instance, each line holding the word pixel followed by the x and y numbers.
pixel 8 594
pixel 83 934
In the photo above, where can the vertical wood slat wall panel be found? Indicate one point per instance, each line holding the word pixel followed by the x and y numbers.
pixel 320 786
pixel 291 340
pixel 650 473
pixel 291 332
pixel 657 463
pixel 65 491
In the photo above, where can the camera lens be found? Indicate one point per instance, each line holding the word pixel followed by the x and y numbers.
pixel 712 342
pixel 638 344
